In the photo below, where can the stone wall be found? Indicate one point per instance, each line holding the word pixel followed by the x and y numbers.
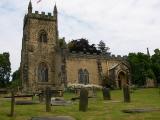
pixel 73 65
pixel 76 61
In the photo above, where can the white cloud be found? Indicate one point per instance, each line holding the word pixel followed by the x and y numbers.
pixel 125 25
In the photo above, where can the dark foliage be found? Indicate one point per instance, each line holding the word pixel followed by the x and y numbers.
pixel 145 66
pixel 82 45
pixel 16 79
pixel 156 64
pixel 62 43
pixel 5 70
pixel 102 47
pixel 141 68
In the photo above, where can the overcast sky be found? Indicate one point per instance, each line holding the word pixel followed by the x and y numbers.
pixel 124 25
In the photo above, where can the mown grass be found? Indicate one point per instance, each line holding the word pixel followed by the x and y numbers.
pixel 98 109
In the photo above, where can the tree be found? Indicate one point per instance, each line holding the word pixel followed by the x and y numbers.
pixel 82 45
pixel 16 79
pixel 102 47
pixel 156 64
pixel 5 69
pixel 62 43
pixel 141 68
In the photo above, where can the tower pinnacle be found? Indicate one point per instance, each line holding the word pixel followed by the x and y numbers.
pixel 30 7
pixel 55 11
pixel 148 53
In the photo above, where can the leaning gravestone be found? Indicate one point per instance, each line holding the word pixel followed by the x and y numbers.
pixel 83 103
pixel 126 93
pixel 106 93
pixel 53 118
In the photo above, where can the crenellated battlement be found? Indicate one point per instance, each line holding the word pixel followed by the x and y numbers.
pixel 88 55
pixel 42 15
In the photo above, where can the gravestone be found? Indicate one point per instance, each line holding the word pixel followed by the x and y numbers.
pixel 106 93
pixel 83 103
pixel 12 103
pixel 41 96
pixel 126 93
pixel 48 99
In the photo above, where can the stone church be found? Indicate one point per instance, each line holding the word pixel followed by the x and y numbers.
pixel 44 64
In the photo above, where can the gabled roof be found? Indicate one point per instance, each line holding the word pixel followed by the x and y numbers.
pixel 118 64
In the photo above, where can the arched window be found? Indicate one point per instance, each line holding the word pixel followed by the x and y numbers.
pixel 42 73
pixel 80 76
pixel 86 77
pixel 83 76
pixel 43 36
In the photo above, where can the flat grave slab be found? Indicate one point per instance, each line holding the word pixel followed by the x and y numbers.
pixel 25 102
pixel 140 110
pixel 113 101
pixel 53 118
pixel 59 102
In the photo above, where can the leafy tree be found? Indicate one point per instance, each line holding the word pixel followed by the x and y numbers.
pixel 5 69
pixel 102 47
pixel 62 43
pixel 156 64
pixel 82 45
pixel 141 68
pixel 16 79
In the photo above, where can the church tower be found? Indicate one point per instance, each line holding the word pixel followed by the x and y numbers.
pixel 39 50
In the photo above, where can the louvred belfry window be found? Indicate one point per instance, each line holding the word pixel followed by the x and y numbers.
pixel 43 36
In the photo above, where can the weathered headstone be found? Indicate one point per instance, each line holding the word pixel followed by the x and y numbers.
pixel 106 93
pixel 83 103
pixel 12 103
pixel 126 93
pixel 41 96
pixel 48 99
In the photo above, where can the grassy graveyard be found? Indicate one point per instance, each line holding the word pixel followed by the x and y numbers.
pixel 98 109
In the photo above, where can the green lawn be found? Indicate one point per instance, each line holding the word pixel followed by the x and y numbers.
pixel 97 109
